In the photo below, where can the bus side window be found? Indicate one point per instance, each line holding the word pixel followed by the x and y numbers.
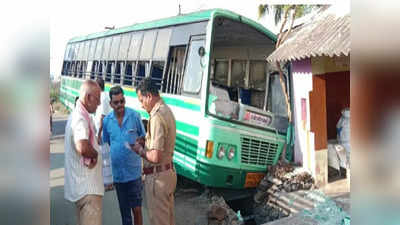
pixel 142 71
pixel 71 68
pixel 157 69
pixel 65 68
pixel 88 69
pixel 173 76
pixel 117 75
pixel 79 69
pixel 76 69
pixel 93 70
pixel 100 70
pixel 109 71
pixel 82 72
pixel 129 69
pixel 194 67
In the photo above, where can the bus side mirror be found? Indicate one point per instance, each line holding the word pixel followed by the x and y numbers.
pixel 201 51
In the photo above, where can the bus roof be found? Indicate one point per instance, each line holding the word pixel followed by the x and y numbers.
pixel 198 16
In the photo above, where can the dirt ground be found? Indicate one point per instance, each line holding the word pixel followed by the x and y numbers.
pixel 190 202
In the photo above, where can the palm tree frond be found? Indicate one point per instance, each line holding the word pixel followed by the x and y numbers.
pixel 278 14
pixel 299 11
pixel 262 10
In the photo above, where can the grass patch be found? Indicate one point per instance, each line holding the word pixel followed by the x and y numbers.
pixel 59 108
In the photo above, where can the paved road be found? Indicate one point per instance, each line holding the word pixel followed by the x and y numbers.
pixel 62 212
pixel 59 123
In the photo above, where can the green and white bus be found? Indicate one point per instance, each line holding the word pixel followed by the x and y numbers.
pixel 212 71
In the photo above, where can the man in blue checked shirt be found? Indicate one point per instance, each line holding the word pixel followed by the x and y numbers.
pixel 123 125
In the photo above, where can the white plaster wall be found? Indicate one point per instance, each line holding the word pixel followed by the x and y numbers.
pixel 304 138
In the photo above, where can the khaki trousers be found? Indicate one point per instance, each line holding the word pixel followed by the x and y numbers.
pixel 89 210
pixel 159 191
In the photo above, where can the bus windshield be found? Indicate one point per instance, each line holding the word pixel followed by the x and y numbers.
pixel 244 87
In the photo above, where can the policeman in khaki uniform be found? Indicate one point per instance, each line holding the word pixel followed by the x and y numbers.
pixel 157 152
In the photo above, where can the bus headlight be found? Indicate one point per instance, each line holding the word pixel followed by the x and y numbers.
pixel 221 152
pixel 231 153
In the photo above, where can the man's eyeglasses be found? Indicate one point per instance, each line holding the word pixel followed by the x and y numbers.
pixel 118 102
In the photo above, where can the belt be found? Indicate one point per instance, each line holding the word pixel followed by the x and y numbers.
pixel 157 169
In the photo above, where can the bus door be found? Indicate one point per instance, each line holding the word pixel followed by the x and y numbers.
pixel 192 82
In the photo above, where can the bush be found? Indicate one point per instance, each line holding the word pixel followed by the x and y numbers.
pixel 58 107
pixel 54 91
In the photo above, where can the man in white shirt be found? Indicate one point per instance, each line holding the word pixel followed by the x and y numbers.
pixel 103 110
pixel 83 174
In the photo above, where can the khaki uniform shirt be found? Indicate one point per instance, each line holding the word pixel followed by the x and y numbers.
pixel 161 133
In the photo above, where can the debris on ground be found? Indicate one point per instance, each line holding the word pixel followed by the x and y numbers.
pixel 218 213
pixel 277 191
pixel 327 212
pixel 288 195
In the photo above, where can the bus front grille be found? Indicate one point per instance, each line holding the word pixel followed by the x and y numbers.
pixel 257 151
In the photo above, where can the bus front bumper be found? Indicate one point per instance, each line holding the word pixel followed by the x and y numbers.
pixel 217 176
